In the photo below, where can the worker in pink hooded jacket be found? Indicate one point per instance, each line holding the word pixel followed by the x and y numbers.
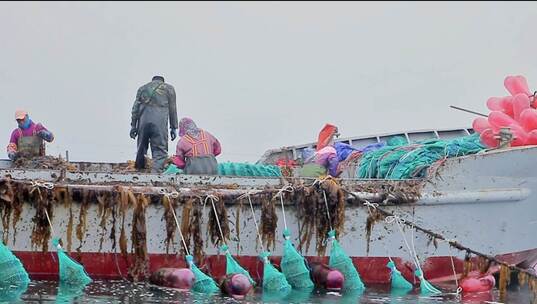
pixel 27 139
pixel 325 160
pixel 196 149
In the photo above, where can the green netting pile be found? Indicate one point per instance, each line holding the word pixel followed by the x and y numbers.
pixel 425 286
pixel 232 266
pixel 71 272
pixel 273 280
pixel 293 265
pixel 12 273
pixel 397 279
pixel 342 262
pixel 399 160
pixel 203 282
pixel 245 169
pixel 172 169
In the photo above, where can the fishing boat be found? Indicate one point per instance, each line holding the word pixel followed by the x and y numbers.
pixel 117 222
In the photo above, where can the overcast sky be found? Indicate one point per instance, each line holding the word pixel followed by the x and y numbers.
pixel 257 75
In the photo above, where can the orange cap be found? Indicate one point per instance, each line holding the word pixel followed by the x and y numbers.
pixel 20 114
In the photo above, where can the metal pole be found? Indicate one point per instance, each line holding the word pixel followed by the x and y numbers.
pixel 461 109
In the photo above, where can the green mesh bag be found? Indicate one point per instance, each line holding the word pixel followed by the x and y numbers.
pixel 426 287
pixel 12 293
pixel 203 283
pixel 245 169
pixel 232 266
pixel 273 280
pixel 398 281
pixel 71 272
pixel 341 261
pixel 293 265
pixel 12 273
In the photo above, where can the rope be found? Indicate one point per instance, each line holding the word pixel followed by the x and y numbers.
pixel 169 195
pixel 374 206
pixel 247 194
pixel 459 289
pixel 215 198
pixel 327 211
pixel 49 186
pixel 280 194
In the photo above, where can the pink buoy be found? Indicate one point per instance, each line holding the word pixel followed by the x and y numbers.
pixel 516 85
pixel 521 136
pixel 477 283
pixel 493 103
pixel 532 138
pixel 480 124
pixel 506 104
pixel 487 138
pixel 528 119
pixel 180 278
pixel 521 102
pixel 236 285
pixel 326 277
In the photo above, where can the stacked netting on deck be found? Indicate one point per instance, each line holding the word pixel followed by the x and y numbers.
pixel 400 160
pixel 245 169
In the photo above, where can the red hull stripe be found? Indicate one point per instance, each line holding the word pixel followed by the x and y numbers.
pixel 372 270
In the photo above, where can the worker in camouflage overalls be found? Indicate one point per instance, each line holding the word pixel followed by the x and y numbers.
pixel 154 104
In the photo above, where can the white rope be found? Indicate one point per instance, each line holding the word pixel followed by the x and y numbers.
pixel 459 289
pixel 40 184
pixel 215 198
pixel 247 194
pixel 374 206
pixel 327 211
pixel 280 194
pixel 169 195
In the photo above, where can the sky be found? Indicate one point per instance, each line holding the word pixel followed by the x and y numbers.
pixel 257 75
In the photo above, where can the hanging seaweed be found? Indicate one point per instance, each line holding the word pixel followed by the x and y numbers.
pixel 169 219
pixel 186 221
pixel 306 203
pixel 373 217
pixel 126 197
pixel 238 224
pixel 195 231
pixel 7 200
pixel 139 240
pixel 214 231
pixel 269 222
pixel 82 217
pixel 105 208
pixel 42 200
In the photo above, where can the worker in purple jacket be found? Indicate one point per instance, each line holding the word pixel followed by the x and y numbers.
pixel 27 139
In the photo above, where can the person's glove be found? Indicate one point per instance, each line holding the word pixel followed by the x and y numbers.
pixel 12 156
pixel 173 134
pixel 134 132
pixel 45 135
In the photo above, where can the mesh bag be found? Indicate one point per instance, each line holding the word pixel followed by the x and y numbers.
pixel 11 270
pixel 293 265
pixel 398 281
pixel 172 169
pixel 425 286
pixel 71 272
pixel 341 261
pixel 203 282
pixel 232 266
pixel 12 293
pixel 273 280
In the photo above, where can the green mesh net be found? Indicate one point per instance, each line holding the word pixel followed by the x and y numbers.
pixel 172 169
pixel 342 262
pixel 12 272
pixel 245 169
pixel 293 265
pixel 203 282
pixel 273 280
pixel 402 161
pixel 71 272
pixel 425 286
pixel 232 266
pixel 12 293
pixel 398 281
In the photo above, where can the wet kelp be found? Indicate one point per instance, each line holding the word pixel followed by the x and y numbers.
pixel 212 224
pixel 139 240
pixel 321 208
pixel 269 221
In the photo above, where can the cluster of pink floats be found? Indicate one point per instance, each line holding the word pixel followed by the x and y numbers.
pixel 516 112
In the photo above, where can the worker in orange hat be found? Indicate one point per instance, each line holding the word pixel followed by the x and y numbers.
pixel 27 139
